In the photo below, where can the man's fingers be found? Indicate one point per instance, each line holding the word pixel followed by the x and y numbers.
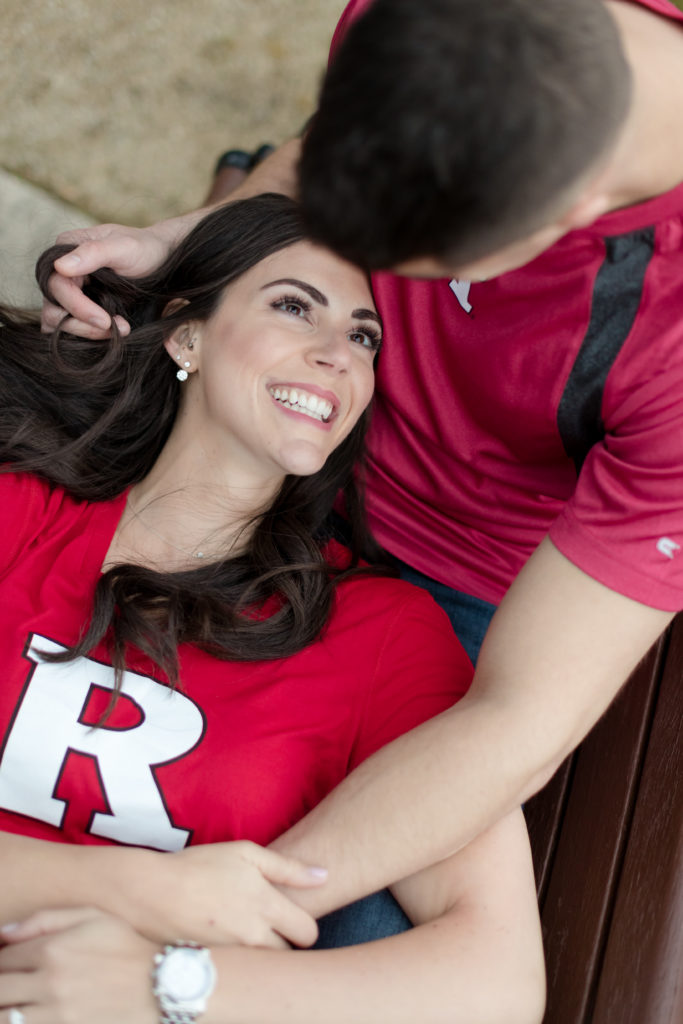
pixel 122 252
pixel 68 298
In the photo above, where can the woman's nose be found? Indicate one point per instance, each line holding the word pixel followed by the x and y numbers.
pixel 332 350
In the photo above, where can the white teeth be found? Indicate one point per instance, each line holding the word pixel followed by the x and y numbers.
pixel 310 405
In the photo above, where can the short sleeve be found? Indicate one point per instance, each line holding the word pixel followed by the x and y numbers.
pixel 624 524
pixel 422 669
pixel 23 504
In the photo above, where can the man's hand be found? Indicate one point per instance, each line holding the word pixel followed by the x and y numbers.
pixel 131 252
pixel 134 252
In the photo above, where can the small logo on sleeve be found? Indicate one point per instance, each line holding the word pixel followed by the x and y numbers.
pixel 667 547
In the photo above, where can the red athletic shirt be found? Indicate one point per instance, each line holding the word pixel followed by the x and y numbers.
pixel 243 751
pixel 548 400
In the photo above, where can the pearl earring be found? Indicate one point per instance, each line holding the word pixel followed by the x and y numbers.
pixel 182 374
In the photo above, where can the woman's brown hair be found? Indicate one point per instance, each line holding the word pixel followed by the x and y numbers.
pixel 92 417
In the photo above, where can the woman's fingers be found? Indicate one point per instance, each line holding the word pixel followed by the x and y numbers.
pixel 45 922
pixel 285 917
pixel 283 870
pixel 291 922
pixel 17 988
pixel 82 966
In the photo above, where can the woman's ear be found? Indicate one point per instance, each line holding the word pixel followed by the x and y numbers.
pixel 180 345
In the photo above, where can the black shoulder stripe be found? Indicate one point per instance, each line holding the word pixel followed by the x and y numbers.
pixel 616 298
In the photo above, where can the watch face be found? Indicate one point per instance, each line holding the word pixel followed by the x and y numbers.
pixel 186 974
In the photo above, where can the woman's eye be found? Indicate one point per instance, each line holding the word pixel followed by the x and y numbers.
pixel 368 339
pixel 292 306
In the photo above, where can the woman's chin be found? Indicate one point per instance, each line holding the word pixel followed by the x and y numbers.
pixel 302 458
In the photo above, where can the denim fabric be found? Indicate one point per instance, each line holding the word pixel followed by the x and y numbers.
pixel 379 915
pixel 374 917
pixel 470 616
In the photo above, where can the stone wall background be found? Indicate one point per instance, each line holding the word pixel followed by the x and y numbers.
pixel 122 108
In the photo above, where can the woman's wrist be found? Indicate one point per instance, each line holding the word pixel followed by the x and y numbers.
pixel 127 882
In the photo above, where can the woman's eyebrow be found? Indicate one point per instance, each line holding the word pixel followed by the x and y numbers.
pixel 317 296
pixel 366 314
pixel 308 288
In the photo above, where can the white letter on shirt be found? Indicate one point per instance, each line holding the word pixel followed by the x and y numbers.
pixel 46 727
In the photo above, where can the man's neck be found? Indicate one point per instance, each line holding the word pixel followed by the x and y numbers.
pixel 648 159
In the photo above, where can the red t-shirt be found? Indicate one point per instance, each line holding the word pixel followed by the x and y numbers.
pixel 548 400
pixel 243 751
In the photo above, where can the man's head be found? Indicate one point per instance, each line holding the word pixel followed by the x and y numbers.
pixel 450 130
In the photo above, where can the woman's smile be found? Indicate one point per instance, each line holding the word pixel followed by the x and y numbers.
pixel 306 400
pixel 283 369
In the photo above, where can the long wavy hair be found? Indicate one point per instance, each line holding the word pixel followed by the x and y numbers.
pixel 92 417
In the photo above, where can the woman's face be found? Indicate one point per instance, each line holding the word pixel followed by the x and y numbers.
pixel 284 367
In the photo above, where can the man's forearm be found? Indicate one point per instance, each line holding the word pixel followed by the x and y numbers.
pixel 277 173
pixel 557 652
pixel 414 802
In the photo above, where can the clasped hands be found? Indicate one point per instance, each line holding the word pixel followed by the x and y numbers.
pixel 79 965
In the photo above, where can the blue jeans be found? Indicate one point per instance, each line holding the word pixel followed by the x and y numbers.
pixel 379 915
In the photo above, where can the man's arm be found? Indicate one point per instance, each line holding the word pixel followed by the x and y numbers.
pixel 558 649
pixel 134 252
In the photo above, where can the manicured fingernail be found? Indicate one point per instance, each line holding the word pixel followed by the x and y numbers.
pixel 99 321
pixel 70 260
pixel 8 928
pixel 318 873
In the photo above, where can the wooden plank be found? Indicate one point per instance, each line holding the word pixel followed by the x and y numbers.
pixel 589 854
pixel 642 976
pixel 544 815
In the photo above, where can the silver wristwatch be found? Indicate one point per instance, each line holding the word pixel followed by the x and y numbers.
pixel 183 978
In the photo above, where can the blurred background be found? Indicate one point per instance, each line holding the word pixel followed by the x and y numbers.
pixel 119 111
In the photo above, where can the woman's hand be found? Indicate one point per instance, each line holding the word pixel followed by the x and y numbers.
pixel 220 894
pixel 77 966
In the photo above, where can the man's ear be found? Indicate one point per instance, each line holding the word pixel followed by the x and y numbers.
pixel 586 210
pixel 173 306
pixel 592 202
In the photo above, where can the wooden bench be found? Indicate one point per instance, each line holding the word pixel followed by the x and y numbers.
pixel 607 837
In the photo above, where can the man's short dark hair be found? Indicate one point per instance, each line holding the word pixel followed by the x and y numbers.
pixel 449 128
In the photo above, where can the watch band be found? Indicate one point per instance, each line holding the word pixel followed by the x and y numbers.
pixel 177 1004
pixel 168 1016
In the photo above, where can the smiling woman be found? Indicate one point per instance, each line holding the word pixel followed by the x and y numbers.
pixel 300 366
pixel 190 661
pixel 206 461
